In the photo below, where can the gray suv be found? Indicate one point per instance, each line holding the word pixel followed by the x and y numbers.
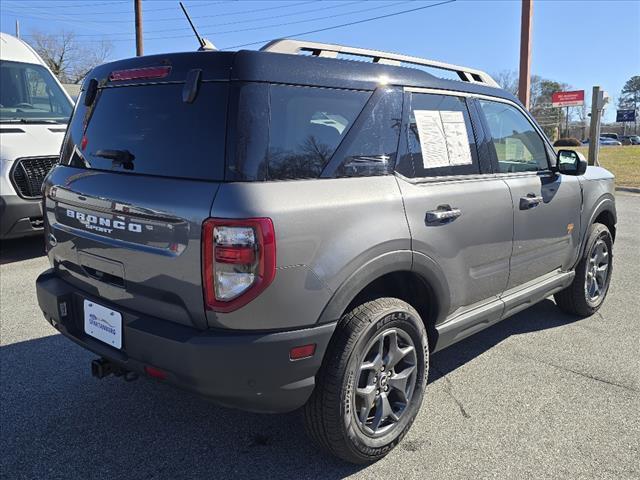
pixel 289 228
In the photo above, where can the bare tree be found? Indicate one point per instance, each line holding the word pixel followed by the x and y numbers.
pixel 508 80
pixel 67 57
pixel 550 119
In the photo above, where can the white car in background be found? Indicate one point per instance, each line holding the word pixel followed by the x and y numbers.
pixel 34 111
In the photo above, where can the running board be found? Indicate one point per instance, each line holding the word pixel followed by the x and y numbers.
pixel 512 302
pixel 527 295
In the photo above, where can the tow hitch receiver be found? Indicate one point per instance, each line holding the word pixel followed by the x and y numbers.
pixel 101 367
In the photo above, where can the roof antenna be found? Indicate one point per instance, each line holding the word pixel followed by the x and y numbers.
pixel 204 43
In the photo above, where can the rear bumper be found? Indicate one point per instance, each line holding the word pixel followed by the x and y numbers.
pixel 249 371
pixel 19 217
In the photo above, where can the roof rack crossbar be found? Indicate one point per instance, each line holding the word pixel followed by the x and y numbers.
pixel 328 50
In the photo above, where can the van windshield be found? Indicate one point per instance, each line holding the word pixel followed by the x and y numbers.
pixel 29 94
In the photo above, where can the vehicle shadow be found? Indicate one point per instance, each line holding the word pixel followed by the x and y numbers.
pixel 21 249
pixel 60 422
pixel 543 316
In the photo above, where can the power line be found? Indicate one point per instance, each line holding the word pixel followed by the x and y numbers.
pixel 112 12
pixel 324 29
pixel 47 15
pixel 243 12
pixel 302 21
pixel 357 22
pixel 57 5
pixel 236 22
pixel 284 24
pixel 227 14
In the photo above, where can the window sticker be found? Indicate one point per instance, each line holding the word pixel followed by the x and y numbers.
pixel 443 138
pixel 432 141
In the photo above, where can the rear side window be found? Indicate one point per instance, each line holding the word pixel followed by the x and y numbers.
pixel 150 130
pixel 440 138
pixel 306 126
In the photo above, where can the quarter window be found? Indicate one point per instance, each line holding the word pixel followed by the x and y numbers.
pixel 518 146
pixel 307 125
pixel 371 146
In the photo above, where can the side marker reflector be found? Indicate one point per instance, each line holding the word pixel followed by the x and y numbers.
pixel 303 351
pixel 155 372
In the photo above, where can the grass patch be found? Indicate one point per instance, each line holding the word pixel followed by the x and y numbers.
pixel 623 161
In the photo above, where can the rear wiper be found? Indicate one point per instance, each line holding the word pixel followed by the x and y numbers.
pixel 123 158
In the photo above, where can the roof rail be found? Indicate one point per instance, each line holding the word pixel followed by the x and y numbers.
pixel 328 50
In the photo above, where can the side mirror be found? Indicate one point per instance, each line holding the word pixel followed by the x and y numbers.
pixel 571 162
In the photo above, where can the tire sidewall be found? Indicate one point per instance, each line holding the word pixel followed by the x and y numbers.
pixel 409 321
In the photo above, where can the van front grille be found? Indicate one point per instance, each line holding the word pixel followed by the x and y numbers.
pixel 28 174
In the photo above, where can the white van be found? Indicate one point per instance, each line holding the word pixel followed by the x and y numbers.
pixel 34 111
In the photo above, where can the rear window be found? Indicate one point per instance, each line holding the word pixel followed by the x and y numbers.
pixel 307 124
pixel 150 130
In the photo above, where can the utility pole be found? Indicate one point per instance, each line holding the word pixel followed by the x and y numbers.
pixel 17 28
pixel 137 5
pixel 598 100
pixel 524 82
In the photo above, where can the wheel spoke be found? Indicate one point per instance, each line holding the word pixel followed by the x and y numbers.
pixel 601 273
pixel 368 396
pixel 395 353
pixel 383 411
pixel 602 256
pixel 373 365
pixel 398 381
pixel 589 284
pixel 376 363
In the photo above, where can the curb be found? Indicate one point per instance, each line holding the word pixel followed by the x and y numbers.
pixel 628 189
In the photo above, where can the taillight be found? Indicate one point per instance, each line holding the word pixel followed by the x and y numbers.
pixel 238 261
pixel 139 73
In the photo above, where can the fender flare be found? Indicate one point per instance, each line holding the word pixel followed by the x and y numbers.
pixel 605 203
pixel 431 272
pixel 395 261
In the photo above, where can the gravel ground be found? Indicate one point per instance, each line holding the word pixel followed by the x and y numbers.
pixel 539 395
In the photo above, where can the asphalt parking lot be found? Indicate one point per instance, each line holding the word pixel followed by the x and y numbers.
pixel 540 395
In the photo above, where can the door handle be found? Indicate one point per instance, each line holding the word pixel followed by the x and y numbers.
pixel 442 214
pixel 530 201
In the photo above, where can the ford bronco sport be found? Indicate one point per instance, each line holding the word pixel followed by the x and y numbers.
pixel 290 228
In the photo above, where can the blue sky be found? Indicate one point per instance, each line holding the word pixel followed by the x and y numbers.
pixel 582 43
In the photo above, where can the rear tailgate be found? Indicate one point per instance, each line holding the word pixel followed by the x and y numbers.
pixel 140 167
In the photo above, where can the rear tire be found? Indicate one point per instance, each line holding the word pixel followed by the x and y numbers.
pixel 371 384
pixel 590 286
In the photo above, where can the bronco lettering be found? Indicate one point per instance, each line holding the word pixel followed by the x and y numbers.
pixel 103 224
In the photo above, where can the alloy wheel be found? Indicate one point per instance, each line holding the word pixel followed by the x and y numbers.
pixel 595 284
pixel 386 381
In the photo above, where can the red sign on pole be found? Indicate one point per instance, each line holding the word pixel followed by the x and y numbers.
pixel 567 99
